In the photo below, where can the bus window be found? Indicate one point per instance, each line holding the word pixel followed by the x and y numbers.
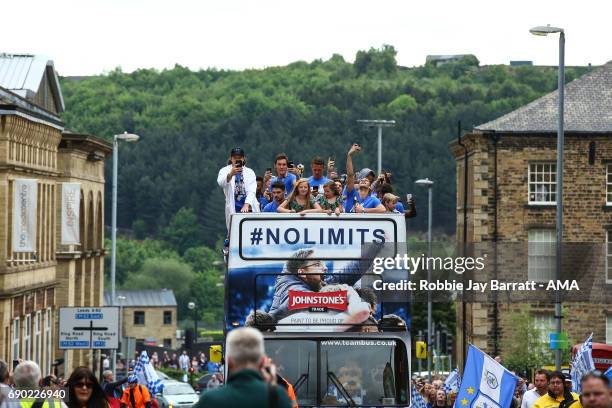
pixel 362 372
pixel 296 362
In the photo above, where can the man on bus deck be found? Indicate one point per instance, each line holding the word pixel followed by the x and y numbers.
pixel 359 198
pixel 278 196
pixel 303 273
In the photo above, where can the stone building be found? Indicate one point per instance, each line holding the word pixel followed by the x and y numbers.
pixel 511 198
pixel 35 145
pixel 147 316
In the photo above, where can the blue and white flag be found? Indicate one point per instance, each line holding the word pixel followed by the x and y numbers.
pixel 485 383
pixel 582 363
pixel 147 375
pixel 452 382
pixel 608 373
pixel 416 399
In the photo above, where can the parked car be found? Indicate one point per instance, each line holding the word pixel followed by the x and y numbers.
pixel 176 394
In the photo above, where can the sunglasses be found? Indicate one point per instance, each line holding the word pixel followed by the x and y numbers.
pixel 83 384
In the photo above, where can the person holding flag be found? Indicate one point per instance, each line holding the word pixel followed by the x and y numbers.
pixel 452 382
pixel 559 395
pixel 485 383
pixel 135 396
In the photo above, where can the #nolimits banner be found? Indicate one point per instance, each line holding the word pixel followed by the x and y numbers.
pixel 71 201
pixel 24 215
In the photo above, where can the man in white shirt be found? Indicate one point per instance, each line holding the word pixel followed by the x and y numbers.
pixel 239 185
pixel 541 388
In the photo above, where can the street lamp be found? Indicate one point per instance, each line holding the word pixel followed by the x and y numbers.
pixel 429 184
pixel 545 30
pixel 379 123
pixel 126 137
pixel 192 306
pixel 120 299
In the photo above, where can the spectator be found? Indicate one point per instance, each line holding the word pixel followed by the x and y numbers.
pixel 558 394
pixel 387 188
pixel 27 375
pixel 391 201
pixel 596 391
pixel 300 201
pixel 213 383
pixel 440 401
pixel 195 364
pixel 541 388
pixel 84 390
pixel 184 361
pixel 239 185
pixel 359 200
pixel 331 169
pixel 260 193
pixel 278 196
pixel 339 185
pixel 111 388
pixel 282 173
pixel 166 361
pixel 330 201
pixel 368 295
pixel 317 179
pixel 4 382
pixel 174 362
pixel 252 376
pixel 136 395
pixel 202 362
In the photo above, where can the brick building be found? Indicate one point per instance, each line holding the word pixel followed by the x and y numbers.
pixel 35 145
pixel 147 316
pixel 511 197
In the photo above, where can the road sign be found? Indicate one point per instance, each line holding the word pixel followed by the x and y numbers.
pixel 421 350
pixel 89 328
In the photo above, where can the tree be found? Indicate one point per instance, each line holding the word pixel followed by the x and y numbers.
pixel 183 231
pixel 522 347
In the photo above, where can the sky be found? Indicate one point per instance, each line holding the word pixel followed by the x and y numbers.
pixel 89 37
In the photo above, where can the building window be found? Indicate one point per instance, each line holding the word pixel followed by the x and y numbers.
pixel 541 250
pixel 542 183
pixel 139 317
pixel 16 338
pixel 609 184
pixel 545 323
pixel 48 343
pixel 167 317
pixel 27 338
pixel 167 343
pixel 609 329
pixel 37 338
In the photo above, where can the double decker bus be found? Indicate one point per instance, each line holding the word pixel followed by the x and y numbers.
pixel 307 283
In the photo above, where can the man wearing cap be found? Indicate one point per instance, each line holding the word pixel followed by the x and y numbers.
pixel 239 185
pixel 358 197
pixel 136 395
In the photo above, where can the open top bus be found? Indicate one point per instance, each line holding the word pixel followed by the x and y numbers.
pixel 306 283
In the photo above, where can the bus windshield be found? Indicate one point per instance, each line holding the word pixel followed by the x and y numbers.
pixel 343 372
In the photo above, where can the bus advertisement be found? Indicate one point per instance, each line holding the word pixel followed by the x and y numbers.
pixel 305 282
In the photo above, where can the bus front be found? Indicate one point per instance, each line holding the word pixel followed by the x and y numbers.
pixel 307 283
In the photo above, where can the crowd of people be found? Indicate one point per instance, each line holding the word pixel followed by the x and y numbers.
pixel 286 188
pixel 547 390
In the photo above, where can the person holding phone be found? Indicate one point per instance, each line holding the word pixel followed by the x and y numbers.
pixel 239 185
pixel 358 196
pixel 281 165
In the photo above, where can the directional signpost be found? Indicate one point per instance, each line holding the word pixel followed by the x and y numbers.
pixel 89 328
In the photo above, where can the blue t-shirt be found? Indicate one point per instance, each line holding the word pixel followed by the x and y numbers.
pixel 239 192
pixel 317 182
pixel 271 206
pixel 399 207
pixel 368 202
pixel 263 201
pixel 289 180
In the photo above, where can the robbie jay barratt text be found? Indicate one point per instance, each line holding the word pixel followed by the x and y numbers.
pixel 493 285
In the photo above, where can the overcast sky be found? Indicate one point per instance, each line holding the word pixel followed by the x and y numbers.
pixel 86 37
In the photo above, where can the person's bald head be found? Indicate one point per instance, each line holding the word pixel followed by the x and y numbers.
pixel 596 391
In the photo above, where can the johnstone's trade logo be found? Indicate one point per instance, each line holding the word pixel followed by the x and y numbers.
pixel 318 302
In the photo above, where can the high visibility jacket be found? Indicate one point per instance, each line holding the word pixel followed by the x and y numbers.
pixel 546 401
pixel 28 402
pixel 140 395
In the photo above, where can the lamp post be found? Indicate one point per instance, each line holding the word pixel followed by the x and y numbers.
pixel 126 137
pixel 378 123
pixel 542 31
pixel 120 300
pixel 192 307
pixel 429 184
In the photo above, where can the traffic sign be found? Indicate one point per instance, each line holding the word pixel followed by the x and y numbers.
pixel 421 350
pixel 89 328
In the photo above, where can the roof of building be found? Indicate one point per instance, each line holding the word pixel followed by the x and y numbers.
pixel 23 73
pixel 142 298
pixel 587 108
pixel 22 106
